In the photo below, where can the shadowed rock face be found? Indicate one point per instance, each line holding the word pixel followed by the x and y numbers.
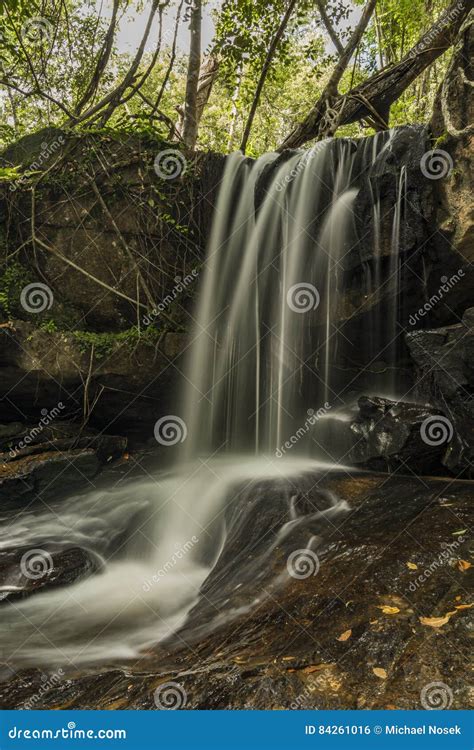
pixel 452 125
pixel 393 436
pixel 131 384
pixel 287 651
pixel 137 381
pixel 444 360
pixel 43 461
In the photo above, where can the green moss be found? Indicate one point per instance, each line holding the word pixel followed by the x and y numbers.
pixel 13 280
pixel 440 140
pixel 9 173
pixel 105 343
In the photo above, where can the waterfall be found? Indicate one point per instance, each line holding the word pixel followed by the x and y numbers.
pixel 267 362
pixel 267 337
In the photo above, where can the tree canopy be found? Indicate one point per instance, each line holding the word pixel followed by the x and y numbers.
pixel 277 73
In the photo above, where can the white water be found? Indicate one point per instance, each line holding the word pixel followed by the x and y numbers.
pixel 253 357
pixel 176 530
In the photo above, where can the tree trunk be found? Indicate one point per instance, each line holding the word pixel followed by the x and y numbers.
pixel 190 122
pixel 102 60
pixel 329 27
pixel 372 99
pixel 115 95
pixel 264 72
pixel 207 78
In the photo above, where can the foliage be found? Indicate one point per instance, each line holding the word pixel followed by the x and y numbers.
pixel 49 50
pixel 13 279
pixel 105 343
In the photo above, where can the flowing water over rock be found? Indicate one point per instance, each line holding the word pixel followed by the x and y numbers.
pixel 235 519
pixel 156 542
pixel 268 338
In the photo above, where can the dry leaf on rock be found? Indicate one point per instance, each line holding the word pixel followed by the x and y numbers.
pixel 388 610
pixel 380 672
pixel 317 667
pixel 412 566
pixel 464 606
pixel 345 635
pixel 464 565
pixel 436 622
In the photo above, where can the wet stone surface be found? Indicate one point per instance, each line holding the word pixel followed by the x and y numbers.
pixel 348 635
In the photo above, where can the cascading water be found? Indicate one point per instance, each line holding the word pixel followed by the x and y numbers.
pixel 264 352
pixel 268 338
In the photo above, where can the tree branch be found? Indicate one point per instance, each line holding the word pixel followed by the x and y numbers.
pixel 329 27
pixel 117 92
pixel 102 61
pixel 264 72
pixel 374 96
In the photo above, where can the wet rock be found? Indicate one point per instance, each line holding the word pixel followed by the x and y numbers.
pixel 26 440
pixel 285 651
pixel 24 572
pixel 46 475
pixel 51 458
pixel 444 359
pixel 393 435
pixel 10 431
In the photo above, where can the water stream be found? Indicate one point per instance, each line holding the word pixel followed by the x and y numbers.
pixel 263 365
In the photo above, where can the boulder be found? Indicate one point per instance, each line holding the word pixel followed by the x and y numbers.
pixel 46 475
pixel 398 436
pixel 20 440
pixel 26 571
pixel 452 127
pixel 449 170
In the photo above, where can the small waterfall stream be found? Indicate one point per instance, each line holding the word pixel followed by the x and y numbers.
pixel 264 357
pixel 268 325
